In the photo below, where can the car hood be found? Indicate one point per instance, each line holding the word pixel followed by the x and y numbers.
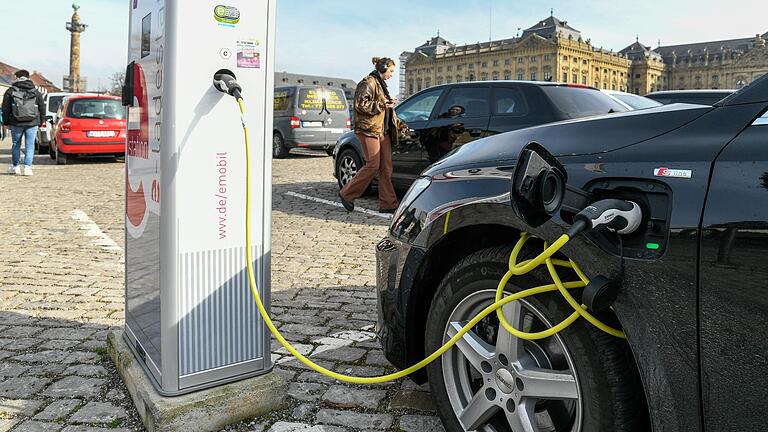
pixel 584 136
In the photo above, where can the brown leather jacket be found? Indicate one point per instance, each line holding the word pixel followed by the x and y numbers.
pixel 370 110
pixel 370 107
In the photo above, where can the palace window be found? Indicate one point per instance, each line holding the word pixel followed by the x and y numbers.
pixel 507 76
pixel 575 79
pixel 507 61
pixel 495 62
pixel 520 76
pixel 565 58
pixel 546 57
pixel 471 65
pixel 584 79
pixel 449 68
pixel 495 76
pixel 547 76
pixel 440 69
pixel 533 76
pixel 533 59
pixel 565 77
pixel 485 64
pixel 519 59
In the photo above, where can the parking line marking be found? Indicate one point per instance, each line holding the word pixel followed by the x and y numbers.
pixel 336 204
pixel 92 230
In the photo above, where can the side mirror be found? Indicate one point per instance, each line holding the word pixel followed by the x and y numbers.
pixel 49 119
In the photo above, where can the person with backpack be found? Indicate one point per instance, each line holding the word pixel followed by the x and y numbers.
pixel 24 111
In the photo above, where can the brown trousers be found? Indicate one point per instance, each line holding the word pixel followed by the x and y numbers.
pixel 378 159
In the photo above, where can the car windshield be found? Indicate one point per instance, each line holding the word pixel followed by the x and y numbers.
pixel 96 108
pixel 578 102
pixel 54 102
pixel 635 101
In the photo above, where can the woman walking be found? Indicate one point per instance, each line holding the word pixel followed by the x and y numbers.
pixel 375 120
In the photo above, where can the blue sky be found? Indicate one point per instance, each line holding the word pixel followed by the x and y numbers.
pixel 338 38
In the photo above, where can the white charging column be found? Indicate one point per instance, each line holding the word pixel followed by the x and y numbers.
pixel 190 317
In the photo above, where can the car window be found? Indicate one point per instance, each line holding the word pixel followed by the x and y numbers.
pixel 320 98
pixel 465 102
pixel 762 120
pixel 577 102
pixel 283 99
pixel 636 102
pixel 419 107
pixel 96 108
pixel 509 101
pixel 54 102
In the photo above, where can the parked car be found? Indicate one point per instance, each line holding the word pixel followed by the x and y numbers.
pixel 308 116
pixel 693 298
pixel 52 103
pixel 445 117
pixel 88 125
pixel 631 101
pixel 700 97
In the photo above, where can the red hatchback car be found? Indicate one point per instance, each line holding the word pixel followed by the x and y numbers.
pixel 88 125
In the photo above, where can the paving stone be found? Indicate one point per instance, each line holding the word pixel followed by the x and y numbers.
pixel 50 356
pixel 58 345
pixel 38 426
pixel 417 423
pixel 377 358
pixel 86 370
pixel 308 330
pixel 80 428
pixel 345 354
pixel 354 420
pixel 410 399
pixel 8 370
pixel 98 413
pixel 18 407
pixel 22 387
pixel 6 425
pixel 23 344
pixel 347 397
pixel 74 386
pixel 58 409
pixel 302 411
pixel 302 427
pixel 67 334
pixel 315 377
pixel 16 332
pixel 306 391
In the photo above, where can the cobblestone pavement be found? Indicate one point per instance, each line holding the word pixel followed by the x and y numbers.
pixel 61 291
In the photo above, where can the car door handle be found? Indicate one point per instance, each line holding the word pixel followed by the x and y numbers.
pixel 474 133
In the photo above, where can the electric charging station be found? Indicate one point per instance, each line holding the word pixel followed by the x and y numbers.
pixel 190 318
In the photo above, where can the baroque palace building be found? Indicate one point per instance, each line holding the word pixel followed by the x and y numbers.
pixel 551 50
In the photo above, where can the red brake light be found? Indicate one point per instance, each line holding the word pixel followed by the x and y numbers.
pixel 349 123
pixel 295 122
pixel 66 126
pixel 579 85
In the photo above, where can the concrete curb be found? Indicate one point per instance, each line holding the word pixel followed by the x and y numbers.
pixel 205 410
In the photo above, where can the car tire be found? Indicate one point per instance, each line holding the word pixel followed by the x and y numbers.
pixel 348 163
pixel 608 393
pixel 61 158
pixel 278 147
pixel 51 152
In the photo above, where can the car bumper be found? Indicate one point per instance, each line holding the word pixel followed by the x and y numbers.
pixel 396 266
pixel 75 147
pixel 322 139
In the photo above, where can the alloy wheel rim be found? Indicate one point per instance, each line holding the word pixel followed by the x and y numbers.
pixel 508 384
pixel 347 169
pixel 276 144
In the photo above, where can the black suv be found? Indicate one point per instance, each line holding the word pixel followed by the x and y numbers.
pixel 692 281
pixel 445 117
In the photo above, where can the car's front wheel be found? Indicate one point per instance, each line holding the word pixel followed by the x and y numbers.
pixel 347 166
pixel 578 380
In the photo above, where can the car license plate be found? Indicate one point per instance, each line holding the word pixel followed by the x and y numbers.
pixel 100 134
pixel 312 124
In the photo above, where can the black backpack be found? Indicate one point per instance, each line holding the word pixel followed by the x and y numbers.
pixel 24 103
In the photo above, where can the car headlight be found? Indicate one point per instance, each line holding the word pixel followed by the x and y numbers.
pixel 416 189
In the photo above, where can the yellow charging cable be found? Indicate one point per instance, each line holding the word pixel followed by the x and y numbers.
pixel 515 268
